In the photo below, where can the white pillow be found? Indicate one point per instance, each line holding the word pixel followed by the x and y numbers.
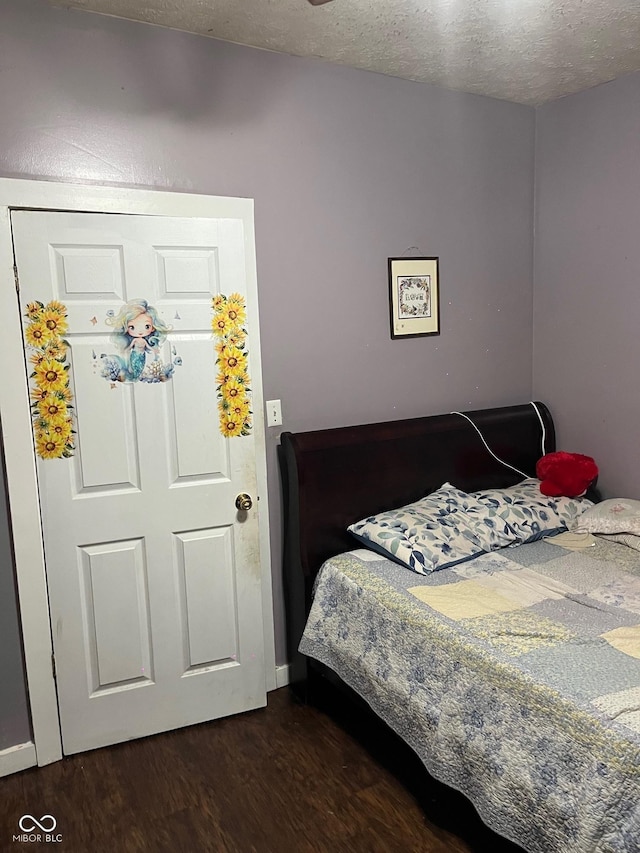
pixel 622 539
pixel 616 515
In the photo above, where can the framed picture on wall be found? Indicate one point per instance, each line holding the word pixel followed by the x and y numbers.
pixel 414 297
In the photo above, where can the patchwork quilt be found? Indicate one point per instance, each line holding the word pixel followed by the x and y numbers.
pixel 515 677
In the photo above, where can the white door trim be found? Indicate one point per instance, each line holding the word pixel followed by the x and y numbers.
pixel 17 433
pixel 16 758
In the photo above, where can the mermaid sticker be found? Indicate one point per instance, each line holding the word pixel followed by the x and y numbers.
pixel 138 335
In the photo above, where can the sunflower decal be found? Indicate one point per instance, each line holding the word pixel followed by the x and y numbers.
pixel 234 406
pixel 51 398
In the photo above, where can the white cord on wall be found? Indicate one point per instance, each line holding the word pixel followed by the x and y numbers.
pixel 497 458
pixel 543 443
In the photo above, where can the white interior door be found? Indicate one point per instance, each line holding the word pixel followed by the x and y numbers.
pixel 153 574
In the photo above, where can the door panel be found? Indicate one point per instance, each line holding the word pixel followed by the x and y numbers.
pixel 209 643
pixel 87 271
pixel 114 580
pixel 101 412
pixel 153 575
pixel 197 452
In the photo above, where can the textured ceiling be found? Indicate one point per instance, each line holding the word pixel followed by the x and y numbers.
pixel 528 51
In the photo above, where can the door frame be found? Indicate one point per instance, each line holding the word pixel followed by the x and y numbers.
pixel 22 485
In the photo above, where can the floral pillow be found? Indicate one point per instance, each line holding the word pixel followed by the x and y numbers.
pixel 530 514
pixel 445 528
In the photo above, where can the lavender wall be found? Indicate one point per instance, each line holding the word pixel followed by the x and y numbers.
pixel 587 269
pixel 14 715
pixel 346 168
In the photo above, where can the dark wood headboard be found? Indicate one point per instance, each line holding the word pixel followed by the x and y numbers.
pixel 334 477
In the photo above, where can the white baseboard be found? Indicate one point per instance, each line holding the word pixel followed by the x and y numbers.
pixel 17 758
pixel 282 675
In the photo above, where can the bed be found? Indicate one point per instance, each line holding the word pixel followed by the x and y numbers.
pixel 515 675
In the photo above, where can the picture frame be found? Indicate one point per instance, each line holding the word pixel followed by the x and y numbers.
pixel 414 297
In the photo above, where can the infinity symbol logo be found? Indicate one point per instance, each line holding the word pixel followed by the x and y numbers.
pixel 42 824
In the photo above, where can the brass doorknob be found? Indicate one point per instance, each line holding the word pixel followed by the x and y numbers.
pixel 244 502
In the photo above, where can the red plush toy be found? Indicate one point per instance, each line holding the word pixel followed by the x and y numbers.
pixel 568 474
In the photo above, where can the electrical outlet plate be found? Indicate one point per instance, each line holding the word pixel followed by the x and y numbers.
pixel 274 413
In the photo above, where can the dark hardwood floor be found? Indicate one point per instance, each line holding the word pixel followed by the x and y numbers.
pixel 291 778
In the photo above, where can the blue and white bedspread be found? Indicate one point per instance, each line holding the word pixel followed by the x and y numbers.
pixel 515 677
